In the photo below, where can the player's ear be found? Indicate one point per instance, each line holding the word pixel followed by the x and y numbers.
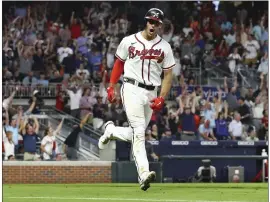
pixel 145 23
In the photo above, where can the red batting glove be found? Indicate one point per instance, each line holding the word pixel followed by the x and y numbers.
pixel 157 103
pixel 111 94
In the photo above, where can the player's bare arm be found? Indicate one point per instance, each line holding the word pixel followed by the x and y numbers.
pixel 84 120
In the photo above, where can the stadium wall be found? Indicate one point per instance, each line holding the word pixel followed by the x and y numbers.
pixel 36 172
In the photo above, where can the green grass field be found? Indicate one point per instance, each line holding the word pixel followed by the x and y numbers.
pixel 131 192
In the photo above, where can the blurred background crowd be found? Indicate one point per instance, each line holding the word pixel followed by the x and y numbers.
pixel 69 48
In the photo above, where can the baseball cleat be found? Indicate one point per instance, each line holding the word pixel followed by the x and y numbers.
pixel 146 183
pixel 104 140
pixel 145 187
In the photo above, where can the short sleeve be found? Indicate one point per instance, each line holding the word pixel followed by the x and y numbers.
pixel 44 141
pixel 27 113
pixel 70 51
pixel 59 51
pixel 122 50
pixel 245 45
pixel 169 61
pixel 79 92
pixel 201 129
pixel 69 92
pixel 230 127
pixel 257 45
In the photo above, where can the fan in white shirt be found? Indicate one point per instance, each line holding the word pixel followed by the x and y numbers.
pixel 114 42
pixel 75 94
pixel 176 40
pixel 8 101
pixel 64 52
pixel 234 58
pixel 251 46
pixel 168 33
pixel 9 147
pixel 236 127
pixel 83 73
pixel 48 143
pixel 257 109
pixel 264 65
pixel 177 69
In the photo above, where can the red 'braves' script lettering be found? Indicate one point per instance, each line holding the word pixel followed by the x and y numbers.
pixel 145 53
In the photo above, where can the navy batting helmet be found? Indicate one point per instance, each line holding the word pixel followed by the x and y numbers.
pixel 155 14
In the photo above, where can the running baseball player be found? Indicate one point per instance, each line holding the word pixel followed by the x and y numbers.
pixel 142 56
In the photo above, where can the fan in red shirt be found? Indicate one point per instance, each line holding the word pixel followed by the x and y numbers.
pixel 197 121
pixel 53 27
pixel 265 119
pixel 75 27
pixel 208 11
pixel 222 50
pixel 60 102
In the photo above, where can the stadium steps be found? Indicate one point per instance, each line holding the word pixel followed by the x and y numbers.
pixel 87 140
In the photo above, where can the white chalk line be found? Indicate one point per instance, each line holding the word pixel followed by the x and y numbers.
pixel 119 199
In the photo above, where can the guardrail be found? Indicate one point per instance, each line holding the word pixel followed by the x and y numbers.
pixel 87 141
pixel 95 134
pixel 52 90
pixel 49 91
pixel 51 110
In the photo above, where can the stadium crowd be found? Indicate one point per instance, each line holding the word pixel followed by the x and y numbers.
pixel 44 44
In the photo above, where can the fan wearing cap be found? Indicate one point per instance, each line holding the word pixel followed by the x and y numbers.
pixel 143 57
pixel 251 134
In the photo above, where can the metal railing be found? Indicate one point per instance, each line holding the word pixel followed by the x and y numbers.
pixel 49 91
pixel 197 72
pixel 215 74
pixel 47 94
pixel 87 140
pixel 52 111
pixel 69 121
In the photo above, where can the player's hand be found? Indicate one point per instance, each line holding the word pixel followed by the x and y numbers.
pixel 157 103
pixel 111 94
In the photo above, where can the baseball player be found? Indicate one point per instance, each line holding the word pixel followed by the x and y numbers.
pixel 143 57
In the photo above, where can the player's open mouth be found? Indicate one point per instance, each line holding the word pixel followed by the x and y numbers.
pixel 151 30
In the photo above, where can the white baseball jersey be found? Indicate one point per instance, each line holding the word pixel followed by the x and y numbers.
pixel 145 60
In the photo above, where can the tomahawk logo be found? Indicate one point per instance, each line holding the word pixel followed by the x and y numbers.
pixel 156 15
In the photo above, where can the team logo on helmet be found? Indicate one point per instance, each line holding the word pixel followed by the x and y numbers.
pixel 155 14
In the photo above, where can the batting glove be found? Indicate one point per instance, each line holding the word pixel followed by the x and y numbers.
pixel 157 103
pixel 111 94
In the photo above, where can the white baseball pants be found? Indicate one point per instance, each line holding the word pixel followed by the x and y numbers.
pixel 136 101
